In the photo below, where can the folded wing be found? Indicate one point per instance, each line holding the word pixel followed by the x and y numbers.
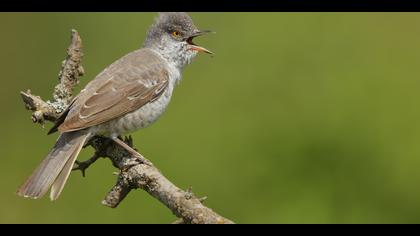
pixel 125 86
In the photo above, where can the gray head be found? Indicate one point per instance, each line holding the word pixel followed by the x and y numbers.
pixel 171 35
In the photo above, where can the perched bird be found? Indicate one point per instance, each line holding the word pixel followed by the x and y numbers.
pixel 130 94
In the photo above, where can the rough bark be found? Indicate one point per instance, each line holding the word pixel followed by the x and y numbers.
pixel 135 171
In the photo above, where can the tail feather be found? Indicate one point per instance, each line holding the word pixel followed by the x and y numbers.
pixel 66 148
pixel 61 180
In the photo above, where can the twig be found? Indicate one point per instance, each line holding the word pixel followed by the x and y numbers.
pixel 135 170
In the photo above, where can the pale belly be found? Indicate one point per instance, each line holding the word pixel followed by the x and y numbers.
pixel 135 120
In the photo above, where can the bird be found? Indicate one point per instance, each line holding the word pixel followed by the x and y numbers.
pixel 128 95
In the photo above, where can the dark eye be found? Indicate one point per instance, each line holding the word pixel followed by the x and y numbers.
pixel 176 33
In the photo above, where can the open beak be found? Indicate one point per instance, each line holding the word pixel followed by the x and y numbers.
pixel 194 46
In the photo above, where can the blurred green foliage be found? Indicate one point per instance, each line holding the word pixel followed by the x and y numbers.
pixel 298 118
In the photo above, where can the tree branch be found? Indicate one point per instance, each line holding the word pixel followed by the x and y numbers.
pixel 135 170
pixel 71 70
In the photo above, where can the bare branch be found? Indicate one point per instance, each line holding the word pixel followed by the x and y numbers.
pixel 41 110
pixel 135 170
pixel 135 174
pixel 70 72
pixel 118 192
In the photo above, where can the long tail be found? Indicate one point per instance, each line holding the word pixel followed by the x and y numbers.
pixel 55 168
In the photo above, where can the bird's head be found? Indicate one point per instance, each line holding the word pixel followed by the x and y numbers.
pixel 172 36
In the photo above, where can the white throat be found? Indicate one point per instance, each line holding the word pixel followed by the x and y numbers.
pixel 176 54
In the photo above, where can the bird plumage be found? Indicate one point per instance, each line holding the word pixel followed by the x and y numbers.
pixel 126 85
pixel 66 148
pixel 129 94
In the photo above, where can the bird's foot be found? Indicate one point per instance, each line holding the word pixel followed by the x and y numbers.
pixel 82 166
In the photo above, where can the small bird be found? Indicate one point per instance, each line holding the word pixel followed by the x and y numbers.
pixel 128 95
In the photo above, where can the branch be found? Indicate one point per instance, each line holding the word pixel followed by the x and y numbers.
pixel 71 70
pixel 135 170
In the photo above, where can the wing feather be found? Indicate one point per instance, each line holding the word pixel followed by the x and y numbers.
pixel 125 86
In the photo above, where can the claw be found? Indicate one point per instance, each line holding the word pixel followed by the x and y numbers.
pixel 82 166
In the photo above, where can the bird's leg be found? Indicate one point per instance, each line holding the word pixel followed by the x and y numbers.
pixel 82 166
pixel 131 151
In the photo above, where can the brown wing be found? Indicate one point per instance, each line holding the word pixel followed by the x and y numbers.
pixel 128 84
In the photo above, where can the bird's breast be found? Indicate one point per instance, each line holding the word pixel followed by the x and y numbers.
pixel 137 119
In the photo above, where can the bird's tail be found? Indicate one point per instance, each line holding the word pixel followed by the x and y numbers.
pixel 56 167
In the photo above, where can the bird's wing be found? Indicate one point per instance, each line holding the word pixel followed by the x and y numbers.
pixel 129 83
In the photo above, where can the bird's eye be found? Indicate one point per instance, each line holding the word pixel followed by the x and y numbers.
pixel 176 34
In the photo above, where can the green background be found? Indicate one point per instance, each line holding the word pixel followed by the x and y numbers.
pixel 298 118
